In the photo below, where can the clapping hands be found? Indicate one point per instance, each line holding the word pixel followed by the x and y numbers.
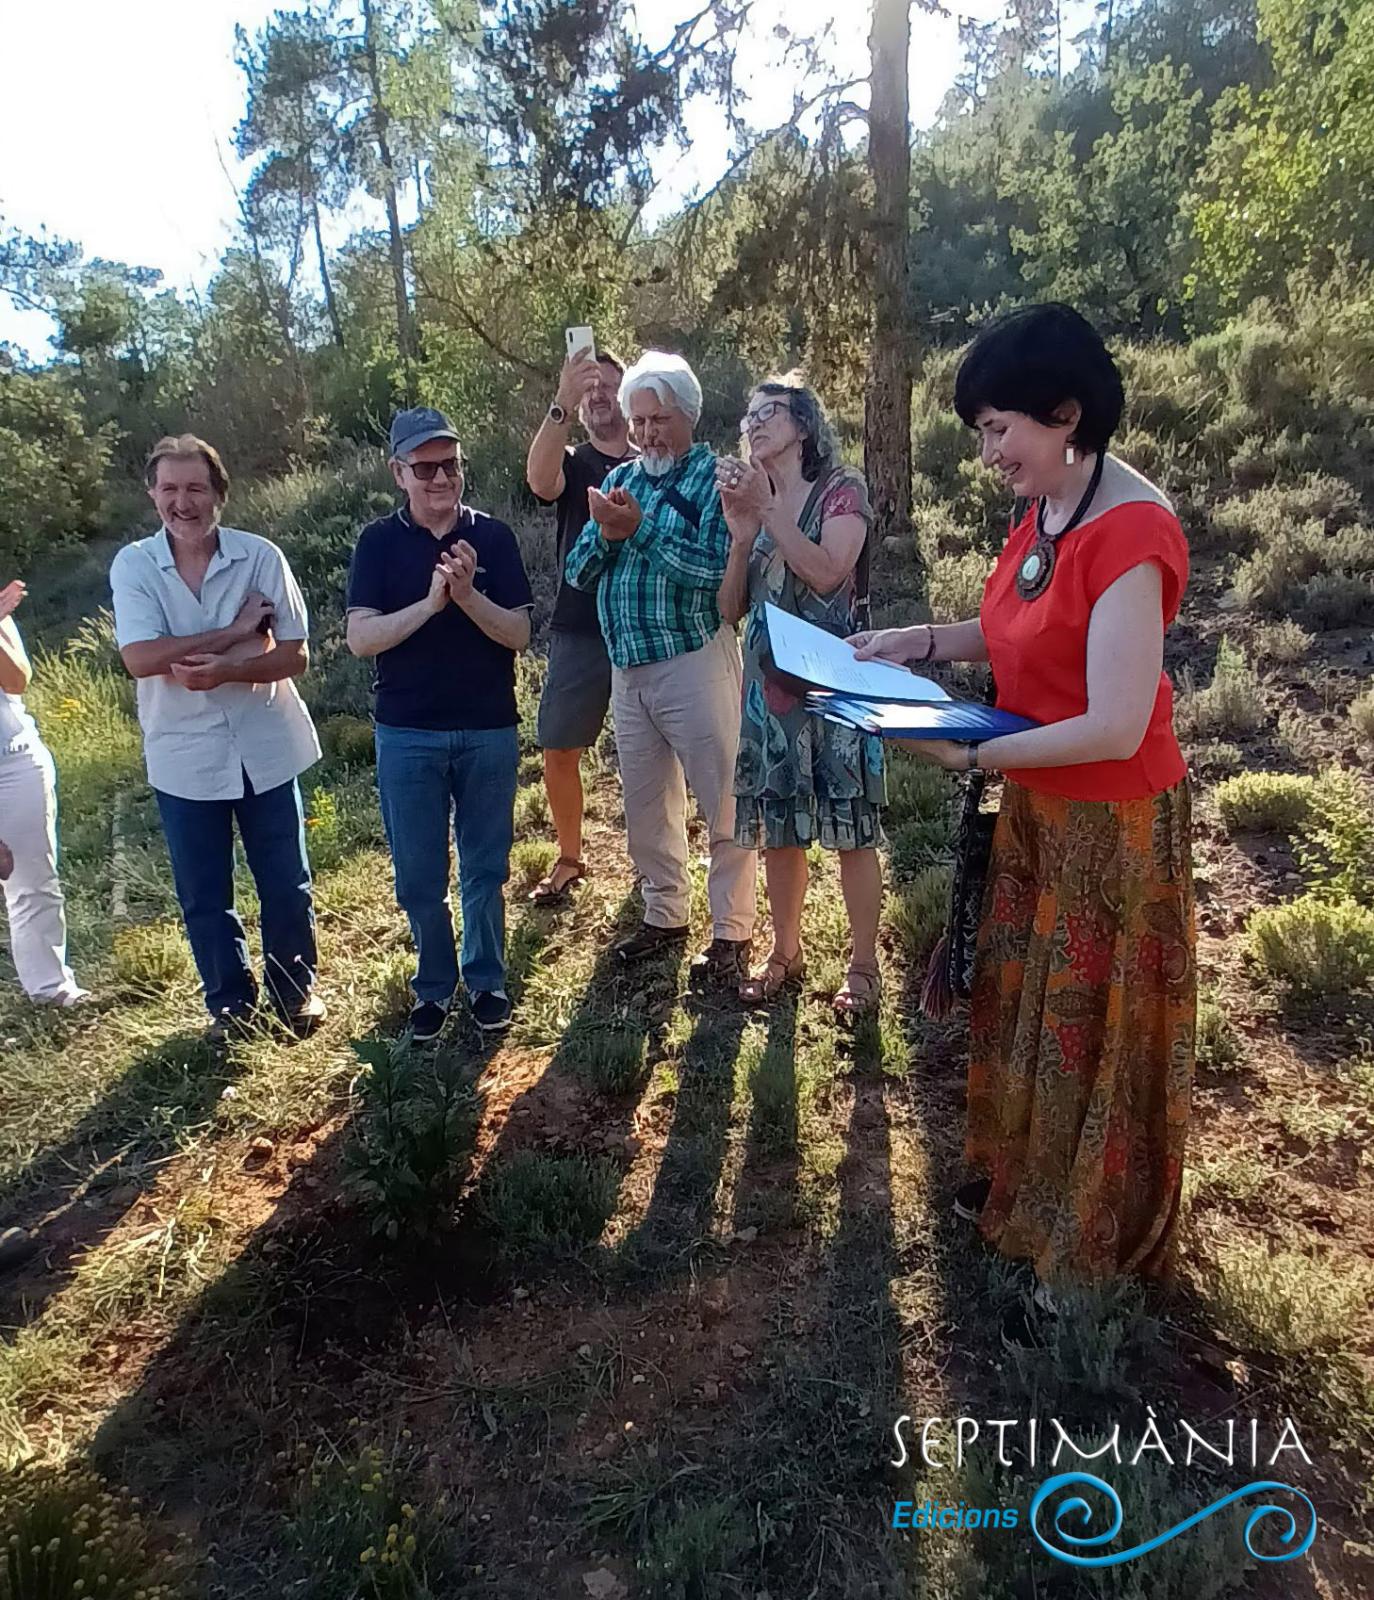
pixel 459 570
pixel 616 513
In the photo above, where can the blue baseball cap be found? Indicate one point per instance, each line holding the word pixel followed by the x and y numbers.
pixel 411 429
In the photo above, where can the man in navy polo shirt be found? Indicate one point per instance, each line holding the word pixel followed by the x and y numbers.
pixel 438 595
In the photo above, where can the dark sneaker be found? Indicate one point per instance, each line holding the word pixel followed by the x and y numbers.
pixel 648 941
pixel 427 1020
pixel 16 1247
pixel 304 1018
pixel 491 1010
pixel 229 1026
pixel 724 961
pixel 971 1197
pixel 1025 1326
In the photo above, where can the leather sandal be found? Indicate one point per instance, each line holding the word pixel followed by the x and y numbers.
pixel 546 893
pixel 861 991
pixel 776 975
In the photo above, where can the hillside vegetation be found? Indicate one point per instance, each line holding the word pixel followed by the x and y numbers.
pixel 630 1303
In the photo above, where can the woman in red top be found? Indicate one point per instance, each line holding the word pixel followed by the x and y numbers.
pixel 1084 998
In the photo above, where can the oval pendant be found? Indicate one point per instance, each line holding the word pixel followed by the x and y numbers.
pixel 1030 569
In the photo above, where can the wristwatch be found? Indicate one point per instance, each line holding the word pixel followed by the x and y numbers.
pixel 557 414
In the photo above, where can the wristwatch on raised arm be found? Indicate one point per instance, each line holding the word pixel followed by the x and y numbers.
pixel 557 414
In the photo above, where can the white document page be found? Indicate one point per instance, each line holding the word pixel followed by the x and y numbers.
pixel 805 651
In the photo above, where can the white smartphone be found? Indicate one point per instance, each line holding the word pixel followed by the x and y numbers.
pixel 579 339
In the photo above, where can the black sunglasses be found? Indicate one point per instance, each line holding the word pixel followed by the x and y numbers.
pixel 426 471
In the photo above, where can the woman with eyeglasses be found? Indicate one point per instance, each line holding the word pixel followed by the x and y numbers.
pixel 799 523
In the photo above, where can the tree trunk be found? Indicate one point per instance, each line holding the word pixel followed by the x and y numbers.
pixel 887 400
pixel 331 304
pixel 405 322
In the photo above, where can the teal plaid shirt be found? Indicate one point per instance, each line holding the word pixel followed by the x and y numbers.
pixel 656 591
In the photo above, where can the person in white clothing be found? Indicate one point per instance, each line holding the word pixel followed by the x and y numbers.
pixel 28 827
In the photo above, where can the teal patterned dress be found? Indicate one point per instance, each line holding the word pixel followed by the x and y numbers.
pixel 798 778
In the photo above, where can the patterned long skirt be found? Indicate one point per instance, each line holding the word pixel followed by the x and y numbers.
pixel 1082 1029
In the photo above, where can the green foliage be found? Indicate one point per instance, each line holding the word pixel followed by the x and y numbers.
pixel 535 1203
pixel 1278 802
pixel 608 1060
pixel 354 1533
pixel 412 1139
pixel 692 1552
pixel 1338 848
pixel 1289 180
pixel 63 1533
pixel 1362 715
pixel 1218 1045
pixel 52 465
pixel 1288 1304
pixel 1233 702
pixel 1317 945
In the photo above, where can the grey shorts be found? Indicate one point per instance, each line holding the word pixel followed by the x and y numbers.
pixel 577 691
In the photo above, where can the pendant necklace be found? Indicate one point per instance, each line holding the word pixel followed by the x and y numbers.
pixel 1034 574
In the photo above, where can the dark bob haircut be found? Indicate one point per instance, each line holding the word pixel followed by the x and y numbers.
pixel 1033 360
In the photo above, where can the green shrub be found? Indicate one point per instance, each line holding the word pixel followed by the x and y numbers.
pixel 609 1060
pixel 531 809
pixel 1216 755
pixel 63 1532
pixel 152 958
pixel 1218 1045
pixel 919 908
pixel 348 739
pixel 693 1552
pixel 411 1139
pixel 1339 847
pixel 530 859
pixel 1362 715
pixel 1232 703
pixel 534 1203
pixel 1284 642
pixel 1271 802
pixel 1258 519
pixel 1288 1304
pixel 1269 579
pixel 956 585
pixel 52 464
pixel 1335 600
pixel 1316 945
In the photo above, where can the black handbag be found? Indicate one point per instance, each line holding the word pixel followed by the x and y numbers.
pixel 949 977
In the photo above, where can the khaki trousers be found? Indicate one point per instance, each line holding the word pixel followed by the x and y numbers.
pixel 677 724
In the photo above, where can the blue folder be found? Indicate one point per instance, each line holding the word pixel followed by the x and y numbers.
pixel 962 720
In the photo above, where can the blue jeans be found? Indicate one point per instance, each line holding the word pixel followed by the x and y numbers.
pixel 200 841
pixel 424 778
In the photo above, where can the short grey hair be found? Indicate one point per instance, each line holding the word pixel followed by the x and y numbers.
pixel 669 377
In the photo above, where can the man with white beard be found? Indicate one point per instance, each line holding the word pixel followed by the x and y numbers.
pixel 654 553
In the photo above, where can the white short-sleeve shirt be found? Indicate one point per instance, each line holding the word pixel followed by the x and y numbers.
pixel 198 743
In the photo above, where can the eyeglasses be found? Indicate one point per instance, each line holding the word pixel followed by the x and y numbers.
pixel 425 471
pixel 763 413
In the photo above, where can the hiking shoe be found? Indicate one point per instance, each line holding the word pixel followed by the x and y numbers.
pixel 426 1021
pixel 491 1010
pixel 648 941
pixel 971 1197
pixel 724 961
pixel 228 1026
pixel 304 1018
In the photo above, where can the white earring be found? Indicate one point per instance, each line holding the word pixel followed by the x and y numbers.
pixel 1068 455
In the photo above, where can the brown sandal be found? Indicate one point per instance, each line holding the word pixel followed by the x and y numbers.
pixel 861 991
pixel 547 893
pixel 776 975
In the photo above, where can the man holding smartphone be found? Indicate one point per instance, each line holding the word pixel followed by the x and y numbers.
pixel 577 691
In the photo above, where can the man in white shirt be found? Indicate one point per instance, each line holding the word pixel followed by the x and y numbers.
pixel 211 623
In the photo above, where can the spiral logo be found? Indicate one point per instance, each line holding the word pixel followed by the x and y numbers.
pixel 1075 1509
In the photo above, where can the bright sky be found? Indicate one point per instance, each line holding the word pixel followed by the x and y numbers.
pixel 116 120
